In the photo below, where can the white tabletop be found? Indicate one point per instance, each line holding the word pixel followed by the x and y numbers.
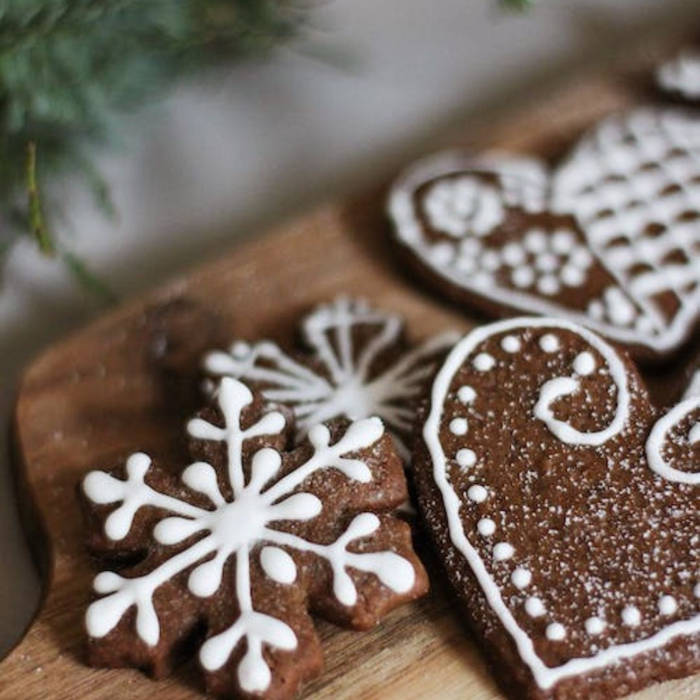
pixel 228 155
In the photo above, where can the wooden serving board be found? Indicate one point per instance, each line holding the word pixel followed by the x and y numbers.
pixel 128 382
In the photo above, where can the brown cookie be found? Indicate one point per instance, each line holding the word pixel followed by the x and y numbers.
pixel 564 510
pixel 234 553
pixel 356 363
pixel 609 238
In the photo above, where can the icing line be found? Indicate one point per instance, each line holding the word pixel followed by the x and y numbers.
pixel 545 676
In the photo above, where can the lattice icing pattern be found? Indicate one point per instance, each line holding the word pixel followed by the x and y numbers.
pixel 610 237
pixel 358 365
pixel 256 513
pixel 593 557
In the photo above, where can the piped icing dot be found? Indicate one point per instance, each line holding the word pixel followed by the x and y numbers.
pixel 536 241
pixel 631 616
pixel 572 276
pixel 510 343
pixel 594 625
pixel 696 590
pixel 513 254
pixel 562 241
pixel 240 348
pixel 548 284
pixel 667 605
pixel 555 632
pixel 466 457
pixel 523 276
pixel 484 362
pixel 534 607
pixel 584 363
pixel 694 434
pixel 503 551
pixel 486 527
pixel 458 426
pixel 466 394
pixel 477 493
pixel 521 577
pixel 549 342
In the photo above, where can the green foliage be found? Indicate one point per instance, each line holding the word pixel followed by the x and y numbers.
pixel 69 67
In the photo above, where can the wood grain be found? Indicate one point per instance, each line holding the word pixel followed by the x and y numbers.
pixel 129 382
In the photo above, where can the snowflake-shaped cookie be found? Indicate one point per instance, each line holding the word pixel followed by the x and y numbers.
pixel 249 539
pixel 359 366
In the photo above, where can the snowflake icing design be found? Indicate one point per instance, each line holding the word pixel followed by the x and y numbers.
pixel 254 522
pixel 343 376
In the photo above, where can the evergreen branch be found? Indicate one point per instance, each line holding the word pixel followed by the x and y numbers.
pixel 37 223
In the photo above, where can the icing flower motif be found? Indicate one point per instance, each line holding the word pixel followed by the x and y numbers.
pixel 463 206
pixel 359 366
pixel 245 543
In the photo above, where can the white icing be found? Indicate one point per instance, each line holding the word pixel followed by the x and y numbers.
pixel 657 439
pixel 614 197
pixel 681 75
pixel 631 616
pixel 521 577
pixel 546 262
pixel 572 276
pixel 545 676
pixel 693 388
pixel 234 528
pixel 513 254
pixel 584 363
pixel 694 434
pixel 463 206
pixel 594 625
pixel 346 387
pixel 486 527
pixel 563 241
pixel 466 457
pixel 696 590
pixel 278 565
pixel 458 426
pixel 667 605
pixel 534 607
pixel 535 241
pixel 549 342
pixel 484 362
pixel 466 394
pixel 555 632
pixel 523 276
pixel 477 493
pixel 556 388
pixel 511 343
pixel 548 284
pixel 503 551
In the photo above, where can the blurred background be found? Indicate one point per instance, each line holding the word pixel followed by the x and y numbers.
pixel 357 89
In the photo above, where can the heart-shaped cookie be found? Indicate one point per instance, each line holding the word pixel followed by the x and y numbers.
pixel 610 238
pixel 565 513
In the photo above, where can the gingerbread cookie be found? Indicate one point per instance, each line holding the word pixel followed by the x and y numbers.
pixel 680 77
pixel 566 514
pixel 609 238
pixel 233 553
pixel 358 364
